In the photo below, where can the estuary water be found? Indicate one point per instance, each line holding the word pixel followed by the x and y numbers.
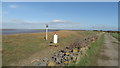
pixel 19 31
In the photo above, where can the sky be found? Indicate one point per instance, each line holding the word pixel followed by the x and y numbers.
pixel 60 15
pixel 60 0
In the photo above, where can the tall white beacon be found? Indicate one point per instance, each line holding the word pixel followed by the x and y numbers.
pixel 46 31
pixel 55 39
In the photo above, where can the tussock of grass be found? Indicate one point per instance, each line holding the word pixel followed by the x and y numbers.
pixel 92 53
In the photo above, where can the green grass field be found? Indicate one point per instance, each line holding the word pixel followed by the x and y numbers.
pixel 22 46
pixel 116 35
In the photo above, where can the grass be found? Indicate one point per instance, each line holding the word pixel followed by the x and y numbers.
pixel 92 54
pixel 116 35
pixel 22 46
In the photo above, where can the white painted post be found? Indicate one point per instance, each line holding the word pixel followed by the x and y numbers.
pixel 46 31
pixel 55 40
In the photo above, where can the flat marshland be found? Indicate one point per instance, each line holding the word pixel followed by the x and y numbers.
pixel 21 49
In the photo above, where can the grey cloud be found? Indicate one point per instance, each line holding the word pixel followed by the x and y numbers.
pixel 54 24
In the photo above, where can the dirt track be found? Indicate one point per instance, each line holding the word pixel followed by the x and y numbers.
pixel 109 52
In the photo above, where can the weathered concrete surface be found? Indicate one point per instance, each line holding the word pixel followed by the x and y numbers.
pixel 109 52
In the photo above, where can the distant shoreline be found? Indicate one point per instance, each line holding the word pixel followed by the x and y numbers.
pixel 23 31
pixel 62 29
pixel 26 29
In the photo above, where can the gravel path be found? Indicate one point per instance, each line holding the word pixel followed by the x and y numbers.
pixel 109 52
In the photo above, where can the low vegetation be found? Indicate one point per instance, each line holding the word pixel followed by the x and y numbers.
pixel 116 35
pixel 22 46
pixel 91 54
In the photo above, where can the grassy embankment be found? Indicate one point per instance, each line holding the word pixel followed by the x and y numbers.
pixel 92 54
pixel 22 46
pixel 116 35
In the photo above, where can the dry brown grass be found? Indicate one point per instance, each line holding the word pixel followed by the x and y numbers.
pixel 21 49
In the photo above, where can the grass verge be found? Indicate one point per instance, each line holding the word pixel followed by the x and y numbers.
pixel 92 53
pixel 116 35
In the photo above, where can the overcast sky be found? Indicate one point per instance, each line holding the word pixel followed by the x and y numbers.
pixel 60 15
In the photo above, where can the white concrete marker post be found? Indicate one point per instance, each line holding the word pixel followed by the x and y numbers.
pixel 55 40
pixel 46 31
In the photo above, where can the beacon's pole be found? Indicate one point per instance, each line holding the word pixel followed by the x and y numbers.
pixel 46 31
